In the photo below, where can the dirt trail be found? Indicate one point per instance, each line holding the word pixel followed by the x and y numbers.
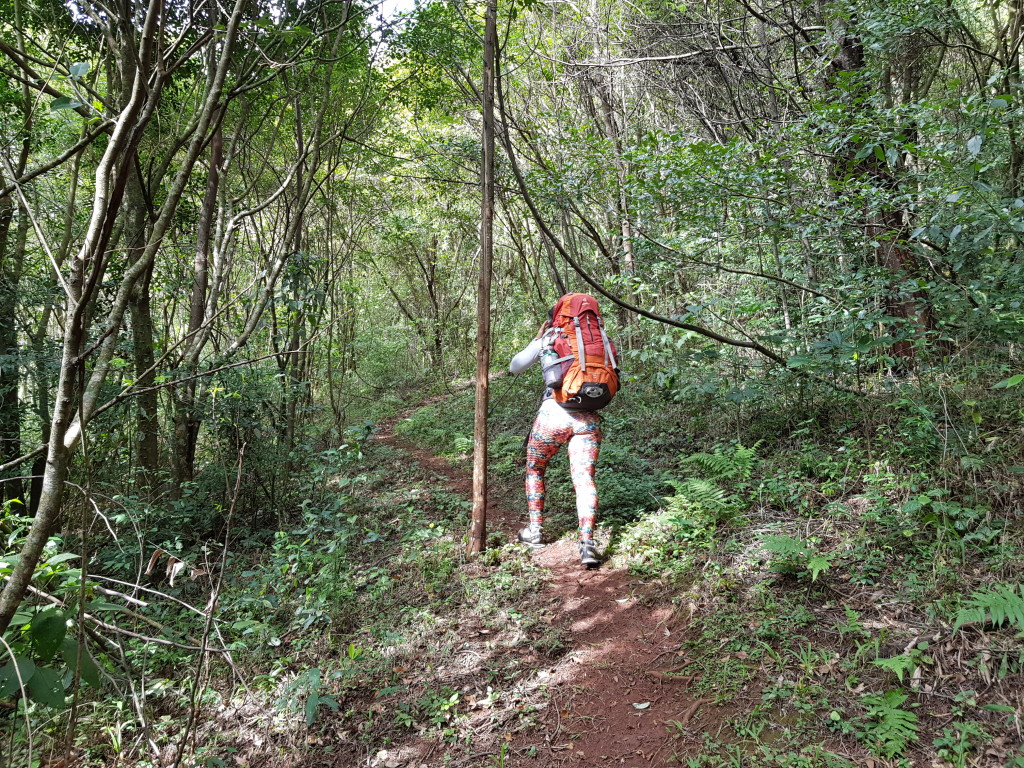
pixel 617 692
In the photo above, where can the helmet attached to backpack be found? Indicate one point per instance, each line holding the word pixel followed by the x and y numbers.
pixel 577 357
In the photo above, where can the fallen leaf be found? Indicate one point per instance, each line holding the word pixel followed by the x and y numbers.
pixel 152 560
pixel 174 567
pixel 643 705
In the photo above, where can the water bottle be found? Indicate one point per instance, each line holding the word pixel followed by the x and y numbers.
pixel 551 367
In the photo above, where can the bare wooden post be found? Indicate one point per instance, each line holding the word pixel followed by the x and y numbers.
pixel 478 528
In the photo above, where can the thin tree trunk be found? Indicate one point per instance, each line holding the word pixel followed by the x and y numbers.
pixel 1012 79
pixel 887 227
pixel 477 539
pixel 12 260
pixel 185 428
pixel 12 256
pixel 147 448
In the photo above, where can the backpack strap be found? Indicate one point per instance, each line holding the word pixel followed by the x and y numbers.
pixel 581 351
pixel 547 343
pixel 609 355
pixel 547 339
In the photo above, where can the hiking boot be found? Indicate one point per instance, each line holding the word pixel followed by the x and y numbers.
pixel 588 554
pixel 531 536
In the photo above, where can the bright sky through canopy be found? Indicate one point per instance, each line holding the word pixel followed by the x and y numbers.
pixel 391 8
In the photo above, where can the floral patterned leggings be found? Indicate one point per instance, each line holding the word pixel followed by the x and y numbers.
pixel 553 427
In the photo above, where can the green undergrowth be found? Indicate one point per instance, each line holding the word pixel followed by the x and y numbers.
pixel 359 625
pixel 851 567
pixel 848 571
pixel 386 628
pixel 853 582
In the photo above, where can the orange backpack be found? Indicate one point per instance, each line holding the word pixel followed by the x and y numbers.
pixel 577 356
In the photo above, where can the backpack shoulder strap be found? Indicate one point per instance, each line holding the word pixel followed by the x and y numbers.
pixel 609 354
pixel 581 351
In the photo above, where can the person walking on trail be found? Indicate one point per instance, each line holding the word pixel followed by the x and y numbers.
pixel 580 377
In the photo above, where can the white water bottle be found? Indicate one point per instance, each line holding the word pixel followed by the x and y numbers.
pixel 551 367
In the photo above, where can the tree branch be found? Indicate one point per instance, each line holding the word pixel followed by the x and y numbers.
pixel 733 271
pixel 700 330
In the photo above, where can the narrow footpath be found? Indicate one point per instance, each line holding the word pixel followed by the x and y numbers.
pixel 619 696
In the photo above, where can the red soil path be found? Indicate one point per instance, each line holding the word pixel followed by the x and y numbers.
pixel 619 689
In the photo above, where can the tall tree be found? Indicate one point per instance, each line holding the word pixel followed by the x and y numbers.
pixel 143 59
pixel 478 528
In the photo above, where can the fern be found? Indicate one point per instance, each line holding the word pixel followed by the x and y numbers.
pixel 462 444
pixel 899 664
pixel 817 564
pixel 700 492
pixel 744 459
pixel 997 606
pixel 890 728
pixel 795 556
pixel 785 547
pixel 726 466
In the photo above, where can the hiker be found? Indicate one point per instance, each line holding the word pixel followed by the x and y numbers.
pixel 568 413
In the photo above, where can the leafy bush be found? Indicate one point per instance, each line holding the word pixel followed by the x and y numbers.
pixel 627 484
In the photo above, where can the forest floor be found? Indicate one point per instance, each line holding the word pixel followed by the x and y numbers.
pixel 611 698
pixel 780 606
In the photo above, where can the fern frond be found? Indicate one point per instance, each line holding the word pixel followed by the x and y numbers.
pixel 898 664
pixel 817 564
pixel 701 492
pixel 463 444
pixel 785 546
pixel 717 464
pixel 997 606
pixel 892 728
pixel 726 466
pixel 744 458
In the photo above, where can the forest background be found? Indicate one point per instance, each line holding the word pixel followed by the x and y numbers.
pixel 235 237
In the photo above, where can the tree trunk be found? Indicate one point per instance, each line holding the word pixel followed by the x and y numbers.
pixel 888 226
pixel 147 446
pixel 42 379
pixel 477 539
pixel 12 261
pixel 185 429
pixel 12 256
pixel 1010 47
